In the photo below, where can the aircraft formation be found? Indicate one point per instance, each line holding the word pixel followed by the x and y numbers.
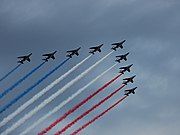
pixel 69 54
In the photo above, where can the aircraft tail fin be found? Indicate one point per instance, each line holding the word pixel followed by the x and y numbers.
pixel 70 56
pixel 125 82
pixel 45 60
pixel 113 48
pixel 118 61
pixel 20 62
pixel 122 72
pixel 91 52
pixel 126 94
pixel 53 57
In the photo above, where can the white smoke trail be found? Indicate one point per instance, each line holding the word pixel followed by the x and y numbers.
pixel 69 99
pixel 52 97
pixel 41 93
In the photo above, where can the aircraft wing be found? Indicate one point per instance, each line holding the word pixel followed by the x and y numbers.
pixel 28 59
pixel 77 53
pixel 21 57
pixel 45 54
pixel 122 68
pixel 93 48
pixel 114 44
pixel 126 79
pixel 127 90
pixel 118 56
pixel 71 51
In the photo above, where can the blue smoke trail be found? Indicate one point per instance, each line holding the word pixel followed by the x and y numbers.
pixel 10 72
pixel 20 81
pixel 31 88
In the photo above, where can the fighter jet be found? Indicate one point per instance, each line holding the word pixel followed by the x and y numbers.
pixel 49 56
pixel 24 58
pixel 122 57
pixel 118 45
pixel 129 91
pixel 72 52
pixel 95 49
pixel 124 69
pixel 127 80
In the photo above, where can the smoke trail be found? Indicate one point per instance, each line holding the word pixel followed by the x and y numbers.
pixel 98 116
pixel 52 97
pixel 10 72
pixel 41 93
pixel 78 105
pixel 88 111
pixel 20 81
pixel 57 108
pixel 32 87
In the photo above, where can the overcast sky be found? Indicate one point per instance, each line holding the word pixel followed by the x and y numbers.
pixel 151 29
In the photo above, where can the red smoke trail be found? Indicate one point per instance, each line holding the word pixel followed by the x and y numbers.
pixel 77 106
pixel 97 117
pixel 88 111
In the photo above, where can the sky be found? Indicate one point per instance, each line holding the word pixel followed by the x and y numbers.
pixel 151 30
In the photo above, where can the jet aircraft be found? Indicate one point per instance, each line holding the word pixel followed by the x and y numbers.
pixel 129 91
pixel 49 56
pixel 124 69
pixel 72 52
pixel 118 45
pixel 95 49
pixel 129 79
pixel 24 58
pixel 122 57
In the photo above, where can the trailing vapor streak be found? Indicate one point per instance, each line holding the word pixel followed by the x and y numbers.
pixel 78 105
pixel 20 81
pixel 10 72
pixel 57 108
pixel 32 87
pixel 52 97
pixel 40 94
pixel 88 111
pixel 98 116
